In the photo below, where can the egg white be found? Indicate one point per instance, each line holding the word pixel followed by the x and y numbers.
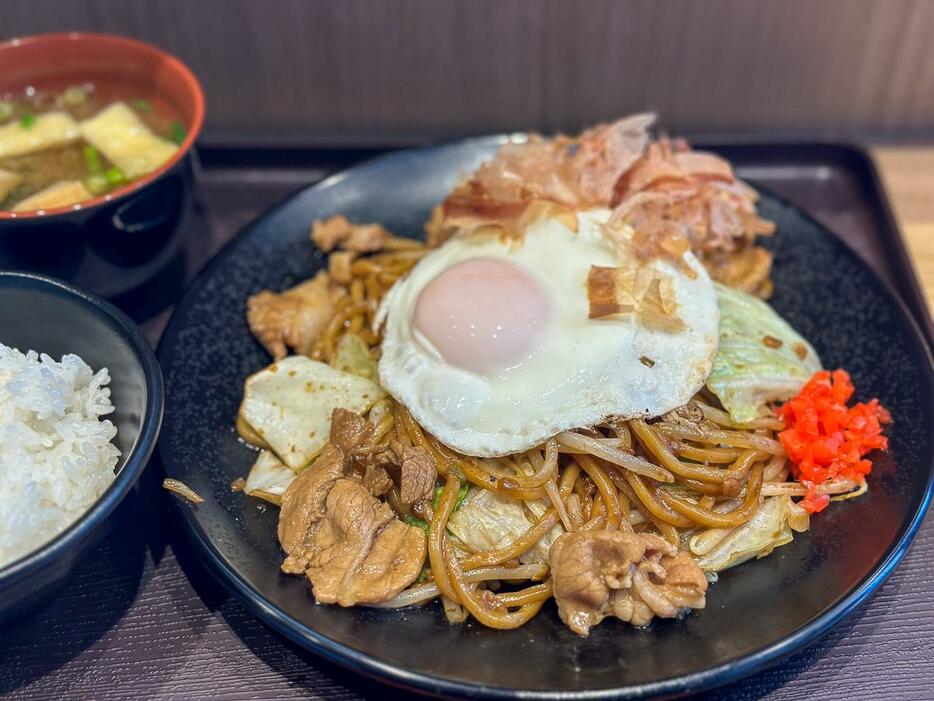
pixel 580 370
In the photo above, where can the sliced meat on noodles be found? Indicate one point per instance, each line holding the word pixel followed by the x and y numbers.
pixel 376 479
pixel 360 552
pixel 339 232
pixel 293 319
pixel 618 573
pixel 349 544
pixel 413 467
pixel 349 431
pixel 303 506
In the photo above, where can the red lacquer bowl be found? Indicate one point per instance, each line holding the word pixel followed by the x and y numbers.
pixel 54 61
pixel 135 225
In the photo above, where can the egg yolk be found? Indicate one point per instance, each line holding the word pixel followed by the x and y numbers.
pixel 483 315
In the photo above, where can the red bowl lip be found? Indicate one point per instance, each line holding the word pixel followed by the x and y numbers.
pixel 186 76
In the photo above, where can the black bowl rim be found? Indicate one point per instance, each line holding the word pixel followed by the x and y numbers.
pixel 151 422
pixel 364 664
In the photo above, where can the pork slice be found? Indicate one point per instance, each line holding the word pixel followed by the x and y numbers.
pixel 293 319
pixel 339 232
pixel 349 431
pixel 393 563
pixel 343 539
pixel 360 553
pixel 303 505
pixel 414 468
pixel 619 573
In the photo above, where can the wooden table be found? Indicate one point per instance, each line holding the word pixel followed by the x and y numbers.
pixel 908 174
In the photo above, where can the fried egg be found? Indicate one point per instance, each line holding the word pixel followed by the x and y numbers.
pixel 487 341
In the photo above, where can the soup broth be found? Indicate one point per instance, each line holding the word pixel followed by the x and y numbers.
pixel 60 146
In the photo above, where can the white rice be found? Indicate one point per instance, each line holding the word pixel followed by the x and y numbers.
pixel 56 455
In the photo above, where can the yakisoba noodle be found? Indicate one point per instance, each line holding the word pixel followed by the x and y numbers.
pixel 628 518
pixel 688 481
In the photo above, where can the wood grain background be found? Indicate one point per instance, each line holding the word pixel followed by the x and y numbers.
pixel 377 72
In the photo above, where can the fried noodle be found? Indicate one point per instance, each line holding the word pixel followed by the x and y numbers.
pixel 676 480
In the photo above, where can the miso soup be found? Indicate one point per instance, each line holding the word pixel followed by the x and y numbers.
pixel 62 146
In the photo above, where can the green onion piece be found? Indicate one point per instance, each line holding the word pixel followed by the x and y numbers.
pixel 115 176
pixel 178 132
pixel 6 111
pixel 93 159
pixel 417 522
pixel 27 120
pixel 75 95
pixel 141 104
pixel 423 575
pixel 97 184
pixel 461 495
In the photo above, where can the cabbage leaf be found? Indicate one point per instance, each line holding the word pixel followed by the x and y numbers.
pixel 269 478
pixel 761 358
pixel 488 521
pixel 289 404
pixel 352 356
pixel 771 527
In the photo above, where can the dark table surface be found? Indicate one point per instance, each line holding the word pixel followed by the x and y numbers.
pixel 142 619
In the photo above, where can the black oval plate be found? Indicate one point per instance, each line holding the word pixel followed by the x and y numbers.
pixel 756 614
